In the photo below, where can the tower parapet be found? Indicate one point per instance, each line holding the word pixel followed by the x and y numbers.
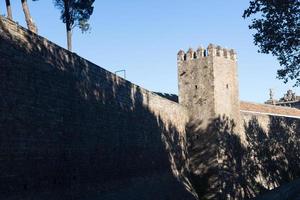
pixel 211 50
pixel 208 83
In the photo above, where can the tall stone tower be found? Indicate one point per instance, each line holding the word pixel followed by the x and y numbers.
pixel 208 83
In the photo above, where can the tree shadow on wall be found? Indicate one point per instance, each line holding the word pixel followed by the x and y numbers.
pixel 221 166
pixel 214 158
pixel 72 130
pixel 275 152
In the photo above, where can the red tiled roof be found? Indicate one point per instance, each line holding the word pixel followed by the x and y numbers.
pixel 270 109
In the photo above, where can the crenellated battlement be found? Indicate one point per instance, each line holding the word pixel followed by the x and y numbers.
pixel 211 50
pixel 208 139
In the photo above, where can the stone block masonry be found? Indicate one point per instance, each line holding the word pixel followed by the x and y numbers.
pixel 208 83
pixel 72 130
pixel 236 150
pixel 69 129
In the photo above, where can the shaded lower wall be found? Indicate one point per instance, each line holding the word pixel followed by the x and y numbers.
pixel 72 130
pixel 273 150
pixel 228 165
pixel 289 191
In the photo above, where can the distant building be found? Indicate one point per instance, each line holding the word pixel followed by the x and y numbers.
pixel 290 99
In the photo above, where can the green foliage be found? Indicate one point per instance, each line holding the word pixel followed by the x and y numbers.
pixel 77 12
pixel 277 25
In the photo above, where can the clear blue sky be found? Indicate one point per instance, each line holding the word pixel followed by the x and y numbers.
pixel 144 36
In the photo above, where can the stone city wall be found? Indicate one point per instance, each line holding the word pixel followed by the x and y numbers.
pixel 73 130
pixel 69 129
pixel 236 150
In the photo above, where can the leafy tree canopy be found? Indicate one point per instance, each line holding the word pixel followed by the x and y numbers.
pixel 277 25
pixel 79 12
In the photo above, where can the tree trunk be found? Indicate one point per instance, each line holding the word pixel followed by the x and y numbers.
pixel 8 8
pixel 30 24
pixel 69 39
pixel 68 24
